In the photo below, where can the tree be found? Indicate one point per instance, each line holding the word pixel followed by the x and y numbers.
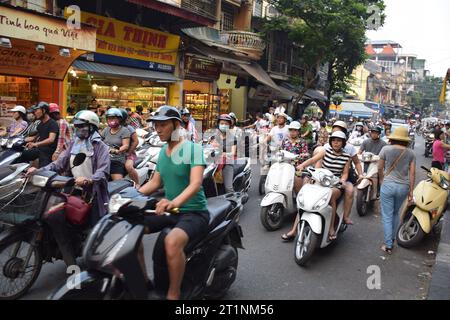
pixel 330 32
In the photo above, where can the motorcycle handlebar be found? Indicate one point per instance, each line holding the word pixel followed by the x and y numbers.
pixel 424 168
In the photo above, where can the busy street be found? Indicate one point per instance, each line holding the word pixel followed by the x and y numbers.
pixel 267 269
pixel 214 150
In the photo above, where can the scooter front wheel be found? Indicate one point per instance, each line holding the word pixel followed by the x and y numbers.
pixel 361 204
pixel 410 232
pixel 272 216
pixel 261 187
pixel 306 243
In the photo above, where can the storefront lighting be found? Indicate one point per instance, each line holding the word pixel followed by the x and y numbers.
pixel 73 73
pixel 5 43
pixel 94 86
pixel 64 52
pixel 114 88
pixel 40 48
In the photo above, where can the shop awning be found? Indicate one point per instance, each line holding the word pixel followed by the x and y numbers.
pixel 123 72
pixel 216 54
pixel 257 72
pixel 310 93
pixel 357 109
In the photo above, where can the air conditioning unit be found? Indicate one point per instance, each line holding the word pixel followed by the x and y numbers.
pixel 271 12
pixel 283 67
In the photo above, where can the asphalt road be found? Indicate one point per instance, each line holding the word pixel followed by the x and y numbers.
pixel 267 269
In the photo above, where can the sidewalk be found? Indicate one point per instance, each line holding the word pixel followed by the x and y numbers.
pixel 440 282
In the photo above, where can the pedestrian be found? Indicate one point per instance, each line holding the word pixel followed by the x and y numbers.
pixel 323 134
pixel 396 172
pixel 134 119
pixel 306 131
pixel 439 150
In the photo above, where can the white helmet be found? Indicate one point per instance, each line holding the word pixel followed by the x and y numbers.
pixel 86 116
pixel 341 124
pixel 282 114
pixel 338 134
pixel 19 109
pixel 294 125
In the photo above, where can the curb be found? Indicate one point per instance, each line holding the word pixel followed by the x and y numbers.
pixel 440 280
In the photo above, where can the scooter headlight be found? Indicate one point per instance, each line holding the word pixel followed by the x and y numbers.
pixel 326 181
pixel 279 156
pixel 116 202
pixel 3 142
pixel 367 157
pixel 10 143
pixel 444 183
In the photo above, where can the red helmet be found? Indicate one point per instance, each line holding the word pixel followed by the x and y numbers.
pixel 53 107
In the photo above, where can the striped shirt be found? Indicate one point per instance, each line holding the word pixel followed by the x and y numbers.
pixel 335 162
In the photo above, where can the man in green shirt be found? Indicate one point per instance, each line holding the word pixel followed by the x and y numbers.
pixel 180 169
pixel 306 131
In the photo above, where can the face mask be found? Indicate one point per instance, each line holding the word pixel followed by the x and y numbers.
pixel 224 127
pixel 113 123
pixel 82 132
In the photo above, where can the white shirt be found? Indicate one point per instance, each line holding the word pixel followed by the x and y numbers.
pixel 279 134
pixel 315 125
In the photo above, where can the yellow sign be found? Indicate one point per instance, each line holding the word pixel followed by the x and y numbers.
pixel 25 25
pixel 127 40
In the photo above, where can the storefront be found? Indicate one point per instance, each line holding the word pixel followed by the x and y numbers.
pixel 132 66
pixel 200 93
pixel 36 50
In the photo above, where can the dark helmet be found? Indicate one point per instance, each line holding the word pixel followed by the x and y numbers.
pixel 124 114
pixel 378 129
pixel 166 113
pixel 225 117
pixel 42 105
pixel 114 112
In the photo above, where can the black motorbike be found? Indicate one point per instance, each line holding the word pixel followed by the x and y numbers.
pixel 28 241
pixel 11 149
pixel 111 254
pixel 242 175
pixel 429 140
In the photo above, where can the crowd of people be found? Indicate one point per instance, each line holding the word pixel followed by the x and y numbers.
pixel 110 155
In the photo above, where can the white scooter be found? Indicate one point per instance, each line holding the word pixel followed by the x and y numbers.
pixel 148 158
pixel 366 190
pixel 279 188
pixel 315 214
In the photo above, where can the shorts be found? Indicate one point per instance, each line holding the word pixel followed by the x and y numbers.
pixel 132 156
pixel 194 223
pixel 117 167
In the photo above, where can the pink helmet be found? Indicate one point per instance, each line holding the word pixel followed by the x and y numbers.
pixel 53 107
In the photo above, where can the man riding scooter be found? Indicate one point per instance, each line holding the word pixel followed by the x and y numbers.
pixel 180 169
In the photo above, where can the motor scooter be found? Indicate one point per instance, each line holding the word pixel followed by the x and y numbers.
pixel 426 210
pixel 314 209
pixel 367 188
pixel 279 189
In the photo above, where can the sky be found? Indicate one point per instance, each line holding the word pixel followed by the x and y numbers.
pixel 421 27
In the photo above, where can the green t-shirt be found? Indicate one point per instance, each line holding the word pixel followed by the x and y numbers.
pixel 175 173
pixel 305 128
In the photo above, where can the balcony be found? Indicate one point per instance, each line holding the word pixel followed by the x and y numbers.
pixel 205 8
pixel 249 42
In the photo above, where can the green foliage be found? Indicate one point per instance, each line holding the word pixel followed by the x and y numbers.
pixel 330 31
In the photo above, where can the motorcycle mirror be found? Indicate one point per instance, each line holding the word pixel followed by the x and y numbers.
pixel 79 159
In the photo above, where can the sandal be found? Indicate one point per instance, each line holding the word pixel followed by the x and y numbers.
pixel 287 238
pixel 386 249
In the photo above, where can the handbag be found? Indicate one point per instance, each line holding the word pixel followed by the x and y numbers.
pixel 77 210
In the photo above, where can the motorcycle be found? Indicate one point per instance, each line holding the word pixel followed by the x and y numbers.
pixel 111 254
pixel 147 158
pixel 265 166
pixel 12 149
pixel 279 188
pixel 28 242
pixel 242 176
pixel 315 214
pixel 367 189
pixel 412 136
pixel 426 210
pixel 429 140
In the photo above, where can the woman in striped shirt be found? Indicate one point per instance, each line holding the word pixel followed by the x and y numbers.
pixel 335 159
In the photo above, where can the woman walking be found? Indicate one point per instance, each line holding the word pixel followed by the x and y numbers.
pixel 439 150
pixel 396 172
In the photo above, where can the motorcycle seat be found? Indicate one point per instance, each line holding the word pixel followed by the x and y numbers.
pixel 218 208
pixel 118 185
pixel 4 172
pixel 239 166
pixel 138 162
